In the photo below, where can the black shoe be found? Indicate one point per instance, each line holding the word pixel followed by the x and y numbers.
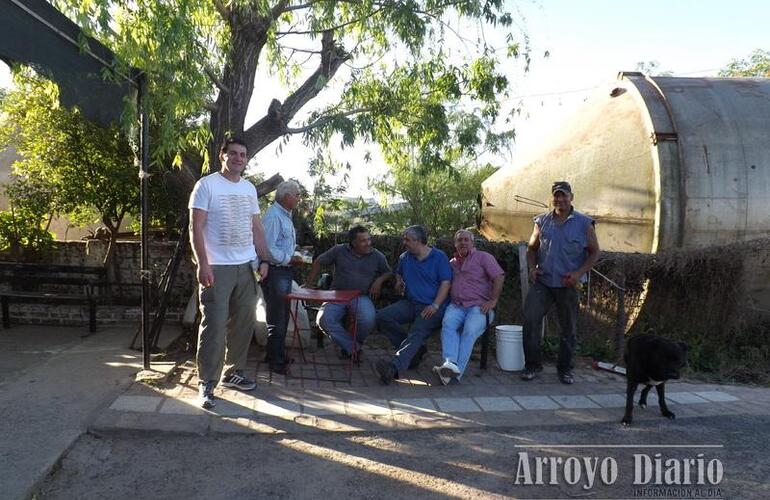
pixel 566 378
pixel 386 370
pixel 530 373
pixel 280 369
pixel 345 355
pixel 421 352
pixel 237 380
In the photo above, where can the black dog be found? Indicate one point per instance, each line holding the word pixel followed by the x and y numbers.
pixel 651 360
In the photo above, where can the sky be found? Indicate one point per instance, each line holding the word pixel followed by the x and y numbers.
pixel 588 42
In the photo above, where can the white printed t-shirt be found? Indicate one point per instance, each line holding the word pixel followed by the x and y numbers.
pixel 230 207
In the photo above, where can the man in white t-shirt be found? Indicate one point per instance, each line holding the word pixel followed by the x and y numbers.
pixel 226 235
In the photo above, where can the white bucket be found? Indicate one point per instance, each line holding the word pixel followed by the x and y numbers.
pixel 510 347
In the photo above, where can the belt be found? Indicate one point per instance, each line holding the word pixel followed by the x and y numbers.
pixel 279 266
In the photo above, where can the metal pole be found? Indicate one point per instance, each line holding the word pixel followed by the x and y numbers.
pixel 144 179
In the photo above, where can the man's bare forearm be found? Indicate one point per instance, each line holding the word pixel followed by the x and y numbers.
pixel 260 244
pixel 197 225
pixel 443 292
pixel 497 287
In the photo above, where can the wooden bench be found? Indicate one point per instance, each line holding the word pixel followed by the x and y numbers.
pixel 50 284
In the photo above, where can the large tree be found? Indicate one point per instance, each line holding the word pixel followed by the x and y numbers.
pixel 392 70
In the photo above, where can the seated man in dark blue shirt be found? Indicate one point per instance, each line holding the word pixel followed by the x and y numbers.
pixel 425 275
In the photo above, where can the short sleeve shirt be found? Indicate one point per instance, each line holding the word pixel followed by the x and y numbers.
pixel 563 246
pixel 423 277
pixel 230 207
pixel 472 278
pixel 353 271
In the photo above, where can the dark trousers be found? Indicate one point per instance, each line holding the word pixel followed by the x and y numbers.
pixel 275 288
pixel 390 321
pixel 539 300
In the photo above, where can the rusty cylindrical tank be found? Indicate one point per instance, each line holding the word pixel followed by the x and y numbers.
pixel 659 162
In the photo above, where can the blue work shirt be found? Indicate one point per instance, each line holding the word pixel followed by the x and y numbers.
pixel 563 246
pixel 280 236
pixel 423 277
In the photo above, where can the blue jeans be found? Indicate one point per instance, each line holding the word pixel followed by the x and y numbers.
pixel 539 300
pixel 331 317
pixel 459 331
pixel 275 288
pixel 390 321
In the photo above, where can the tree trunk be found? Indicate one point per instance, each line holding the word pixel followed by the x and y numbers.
pixel 248 36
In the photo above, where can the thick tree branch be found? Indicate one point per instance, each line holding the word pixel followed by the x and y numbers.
pixel 223 10
pixel 275 123
pixel 216 81
pixel 279 9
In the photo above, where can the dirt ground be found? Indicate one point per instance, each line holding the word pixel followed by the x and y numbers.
pixel 412 464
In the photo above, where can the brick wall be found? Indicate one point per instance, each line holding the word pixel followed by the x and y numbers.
pixel 91 253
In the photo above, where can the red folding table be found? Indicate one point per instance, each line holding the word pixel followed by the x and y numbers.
pixel 314 296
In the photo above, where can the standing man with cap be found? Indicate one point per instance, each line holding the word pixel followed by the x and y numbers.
pixel 562 249
pixel 281 241
pixel 226 234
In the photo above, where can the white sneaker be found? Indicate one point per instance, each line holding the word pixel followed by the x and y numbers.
pixel 444 379
pixel 449 369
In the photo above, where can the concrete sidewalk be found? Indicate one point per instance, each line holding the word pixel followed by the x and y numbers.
pixel 52 384
pixel 55 385
pixel 309 402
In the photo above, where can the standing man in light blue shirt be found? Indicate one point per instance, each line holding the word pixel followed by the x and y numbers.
pixel 281 240
pixel 562 249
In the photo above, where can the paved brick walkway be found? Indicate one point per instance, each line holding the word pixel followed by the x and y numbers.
pixel 317 397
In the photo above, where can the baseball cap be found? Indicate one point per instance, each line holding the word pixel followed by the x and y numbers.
pixel 562 186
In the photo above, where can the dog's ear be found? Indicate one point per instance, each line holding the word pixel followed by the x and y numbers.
pixel 683 346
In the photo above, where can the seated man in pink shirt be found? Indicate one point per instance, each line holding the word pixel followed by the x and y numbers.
pixel 477 280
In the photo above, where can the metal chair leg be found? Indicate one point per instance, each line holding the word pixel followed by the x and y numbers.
pixel 485 345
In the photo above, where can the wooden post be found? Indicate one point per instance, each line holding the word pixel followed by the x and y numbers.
pixel 524 279
pixel 620 332
pixel 523 272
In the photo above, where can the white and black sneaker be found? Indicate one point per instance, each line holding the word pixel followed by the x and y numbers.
pixel 236 380
pixel 443 378
pixel 449 369
pixel 206 395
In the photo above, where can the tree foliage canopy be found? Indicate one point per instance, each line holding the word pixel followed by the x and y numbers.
pixel 85 170
pixel 756 65
pixel 393 69
pixel 443 201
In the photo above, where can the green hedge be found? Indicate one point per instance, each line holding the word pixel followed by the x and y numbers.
pixel 699 296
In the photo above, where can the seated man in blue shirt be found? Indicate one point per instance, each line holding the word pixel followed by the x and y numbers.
pixel 357 266
pixel 425 275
